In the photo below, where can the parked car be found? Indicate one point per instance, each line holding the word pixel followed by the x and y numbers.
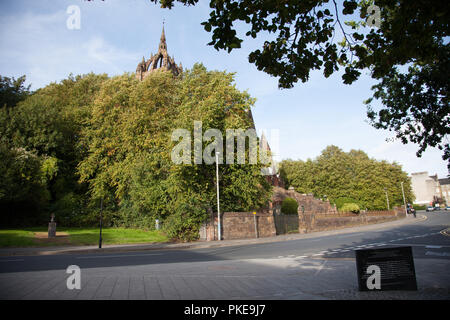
pixel 447 208
pixel 430 208
pixel 437 207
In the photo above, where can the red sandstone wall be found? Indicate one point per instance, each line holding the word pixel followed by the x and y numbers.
pixel 241 225
pixel 312 222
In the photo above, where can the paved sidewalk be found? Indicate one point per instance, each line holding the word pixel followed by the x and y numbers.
pixel 143 276
pixel 273 279
pixel 198 244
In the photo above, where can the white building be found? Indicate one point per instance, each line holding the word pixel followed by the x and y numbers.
pixel 425 187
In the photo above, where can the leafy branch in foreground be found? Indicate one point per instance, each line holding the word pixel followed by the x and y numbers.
pixel 411 36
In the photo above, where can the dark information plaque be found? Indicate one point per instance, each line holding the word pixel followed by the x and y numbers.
pixel 386 269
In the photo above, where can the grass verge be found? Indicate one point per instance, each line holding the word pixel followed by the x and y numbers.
pixel 36 237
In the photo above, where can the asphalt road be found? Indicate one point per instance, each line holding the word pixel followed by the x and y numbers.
pixel 281 270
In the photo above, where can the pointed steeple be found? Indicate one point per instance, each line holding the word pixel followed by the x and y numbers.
pixel 161 60
pixel 162 43
pixel 163 35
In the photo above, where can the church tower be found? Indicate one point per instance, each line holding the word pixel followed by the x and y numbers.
pixel 160 61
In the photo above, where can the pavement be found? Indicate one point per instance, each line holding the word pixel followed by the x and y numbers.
pixel 315 266
pixel 62 249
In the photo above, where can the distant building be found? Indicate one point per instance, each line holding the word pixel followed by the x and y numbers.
pixel 428 189
pixel 445 189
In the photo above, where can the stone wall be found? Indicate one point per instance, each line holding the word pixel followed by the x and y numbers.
pixel 313 215
pixel 313 221
pixel 306 202
pixel 239 225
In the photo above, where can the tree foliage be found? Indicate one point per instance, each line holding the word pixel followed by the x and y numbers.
pixel 348 177
pixel 407 53
pixel 45 129
pixel 12 91
pixel 91 137
pixel 129 155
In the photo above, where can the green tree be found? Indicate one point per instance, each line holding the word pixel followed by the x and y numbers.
pixel 406 51
pixel 48 124
pixel 23 192
pixel 12 91
pixel 349 177
pixel 129 150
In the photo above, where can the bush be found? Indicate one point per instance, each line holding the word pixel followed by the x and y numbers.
pixel 350 207
pixel 289 206
pixel 340 202
pixel 187 216
pixel 419 207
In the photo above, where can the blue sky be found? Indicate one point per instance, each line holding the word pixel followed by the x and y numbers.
pixel 116 34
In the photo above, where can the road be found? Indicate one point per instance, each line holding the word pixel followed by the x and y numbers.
pixel 317 267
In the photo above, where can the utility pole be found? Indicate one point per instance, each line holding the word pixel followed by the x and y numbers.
pixel 218 202
pixel 404 200
pixel 387 199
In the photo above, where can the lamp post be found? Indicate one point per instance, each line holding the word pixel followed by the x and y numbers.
pixel 218 202
pixel 101 223
pixel 387 198
pixel 404 200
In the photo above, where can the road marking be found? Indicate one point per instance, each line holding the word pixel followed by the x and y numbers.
pixel 350 235
pixel 317 254
pixel 120 256
pixel 433 247
pixel 302 257
pixel 12 260
pixel 441 254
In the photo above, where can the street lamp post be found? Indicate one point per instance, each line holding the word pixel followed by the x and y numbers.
pixel 101 223
pixel 387 198
pixel 404 200
pixel 218 202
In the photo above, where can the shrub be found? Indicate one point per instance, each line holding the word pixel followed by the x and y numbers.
pixel 350 207
pixel 187 216
pixel 343 200
pixel 419 207
pixel 289 206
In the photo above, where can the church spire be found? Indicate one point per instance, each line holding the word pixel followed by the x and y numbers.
pixel 162 43
pixel 163 36
pixel 161 60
